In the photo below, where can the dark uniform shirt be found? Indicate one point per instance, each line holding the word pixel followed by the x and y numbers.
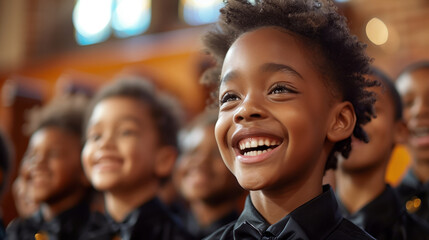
pixel 67 225
pixel 385 218
pixel 415 195
pixel 151 221
pixel 319 218
pixel 200 232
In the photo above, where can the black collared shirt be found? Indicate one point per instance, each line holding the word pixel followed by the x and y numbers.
pixel 67 225
pixel 385 218
pixel 416 194
pixel 200 232
pixel 319 218
pixel 151 221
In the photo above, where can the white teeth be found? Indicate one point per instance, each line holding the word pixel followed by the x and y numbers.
pixel 247 145
pixel 267 142
pixel 254 143
pixel 420 132
pixel 255 153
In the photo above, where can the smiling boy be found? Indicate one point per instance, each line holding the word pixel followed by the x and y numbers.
pixel 291 94
pixel 130 147
pixel 54 174
pixel 413 86
pixel 363 195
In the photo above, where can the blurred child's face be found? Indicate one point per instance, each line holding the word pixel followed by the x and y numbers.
pixel 274 111
pixel 201 173
pixel 381 132
pixel 414 90
pixel 121 145
pixel 53 163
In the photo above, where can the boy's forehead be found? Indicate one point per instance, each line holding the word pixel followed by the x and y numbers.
pixel 270 45
pixel 413 80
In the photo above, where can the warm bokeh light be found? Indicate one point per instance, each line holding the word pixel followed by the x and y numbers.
pixel 131 17
pixel 198 12
pixel 91 19
pixel 377 32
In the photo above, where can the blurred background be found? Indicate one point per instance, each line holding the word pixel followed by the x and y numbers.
pixel 51 47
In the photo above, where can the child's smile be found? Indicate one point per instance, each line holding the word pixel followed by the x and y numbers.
pixel 253 146
pixel 414 89
pixel 275 110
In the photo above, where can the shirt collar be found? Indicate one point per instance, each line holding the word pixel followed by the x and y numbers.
pixel 313 220
pixel 412 181
pixel 125 228
pixel 377 214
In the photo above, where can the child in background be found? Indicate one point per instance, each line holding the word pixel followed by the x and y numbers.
pixel 213 193
pixel 413 86
pixel 130 148
pixel 364 196
pixel 291 95
pixel 24 203
pixel 56 180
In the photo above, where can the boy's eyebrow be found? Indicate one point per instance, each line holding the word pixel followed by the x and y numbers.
pixel 130 118
pixel 230 75
pixel 277 67
pixel 267 67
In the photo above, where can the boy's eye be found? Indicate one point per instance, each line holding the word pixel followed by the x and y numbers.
pixel 228 97
pixel 128 132
pixel 280 88
pixel 93 137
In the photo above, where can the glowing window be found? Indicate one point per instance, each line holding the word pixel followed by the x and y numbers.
pixel 131 17
pixel 94 20
pixel 197 12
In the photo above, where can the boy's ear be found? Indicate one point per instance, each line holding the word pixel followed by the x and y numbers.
pixel 342 123
pixel 401 132
pixel 165 161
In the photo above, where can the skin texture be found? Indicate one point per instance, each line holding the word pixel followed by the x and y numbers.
pixel 55 177
pixel 414 90
pixel 204 180
pixel 122 156
pixel 271 90
pixel 367 163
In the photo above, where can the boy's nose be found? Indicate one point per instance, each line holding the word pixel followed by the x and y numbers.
pixel 107 141
pixel 249 110
pixel 421 107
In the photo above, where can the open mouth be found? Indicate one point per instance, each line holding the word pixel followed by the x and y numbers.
pixel 257 146
pixel 420 132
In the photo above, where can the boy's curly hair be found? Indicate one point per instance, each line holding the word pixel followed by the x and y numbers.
pixel 321 26
pixel 66 112
pixel 165 111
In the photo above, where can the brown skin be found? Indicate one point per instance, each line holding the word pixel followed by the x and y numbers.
pixel 414 90
pixel 122 156
pixel 55 176
pixel 367 163
pixel 271 90
pixel 204 180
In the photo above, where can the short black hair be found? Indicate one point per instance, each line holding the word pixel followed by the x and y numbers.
pixel 66 112
pixel 414 67
pixel 164 109
pixel 317 23
pixel 388 85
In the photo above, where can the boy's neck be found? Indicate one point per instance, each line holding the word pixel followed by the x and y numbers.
pixel 207 214
pixel 421 170
pixel 353 188
pixel 275 205
pixel 122 202
pixel 53 209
